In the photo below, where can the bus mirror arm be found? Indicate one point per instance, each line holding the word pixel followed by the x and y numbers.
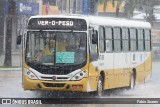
pixel 94 39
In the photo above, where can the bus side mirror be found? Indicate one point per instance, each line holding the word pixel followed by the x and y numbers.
pixel 19 39
pixel 94 39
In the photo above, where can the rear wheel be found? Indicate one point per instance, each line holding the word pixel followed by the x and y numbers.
pixel 132 81
pixel 100 86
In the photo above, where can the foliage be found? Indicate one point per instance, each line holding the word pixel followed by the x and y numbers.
pixel 104 2
pixel 119 2
pixel 148 7
pixel 130 6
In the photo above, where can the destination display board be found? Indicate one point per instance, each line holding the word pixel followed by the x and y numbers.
pixel 57 24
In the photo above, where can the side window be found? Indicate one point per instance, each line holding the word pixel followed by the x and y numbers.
pixel 117 39
pixel 109 39
pixel 147 40
pixel 140 40
pixel 133 40
pixel 101 39
pixel 125 39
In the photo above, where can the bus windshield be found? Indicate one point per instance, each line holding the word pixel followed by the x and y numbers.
pixel 56 48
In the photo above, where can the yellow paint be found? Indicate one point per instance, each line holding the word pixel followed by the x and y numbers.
pixel 52 10
pixel 121 77
pixel 110 79
pixel 93 77
pixel 113 78
pixel 142 75
pixel 109 7
pixel 33 85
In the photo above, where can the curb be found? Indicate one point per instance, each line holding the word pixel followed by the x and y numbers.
pixel 10 69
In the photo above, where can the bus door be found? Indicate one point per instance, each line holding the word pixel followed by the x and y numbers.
pixel 125 50
pixel 108 60
pixel 148 56
pixel 137 58
pixel 93 65
pixel 119 57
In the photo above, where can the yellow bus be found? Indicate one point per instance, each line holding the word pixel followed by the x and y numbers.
pixel 85 54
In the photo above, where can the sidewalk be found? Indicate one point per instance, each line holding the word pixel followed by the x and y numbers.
pixel 16 61
pixel 10 69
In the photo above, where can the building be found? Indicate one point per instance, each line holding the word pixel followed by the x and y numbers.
pixel 24 9
pixel 50 7
pixel 54 7
pixel 110 10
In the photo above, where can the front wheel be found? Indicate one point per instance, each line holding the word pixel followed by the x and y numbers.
pixel 100 86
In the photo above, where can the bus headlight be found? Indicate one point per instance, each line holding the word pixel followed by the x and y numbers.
pixel 79 75
pixel 31 75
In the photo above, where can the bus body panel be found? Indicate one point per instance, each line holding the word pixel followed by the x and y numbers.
pixel 117 67
pixel 33 85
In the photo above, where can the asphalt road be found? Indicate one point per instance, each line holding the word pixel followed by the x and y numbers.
pixel 10 87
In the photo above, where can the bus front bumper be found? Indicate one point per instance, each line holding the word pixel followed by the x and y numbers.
pixel 80 86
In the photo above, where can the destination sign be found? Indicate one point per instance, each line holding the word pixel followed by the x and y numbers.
pixel 53 23
pixel 57 24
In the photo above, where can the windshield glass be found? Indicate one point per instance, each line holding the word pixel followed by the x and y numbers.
pixel 56 48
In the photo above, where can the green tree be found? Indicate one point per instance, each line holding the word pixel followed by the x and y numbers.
pixel 104 2
pixel 119 2
pixel 130 6
pixel 148 7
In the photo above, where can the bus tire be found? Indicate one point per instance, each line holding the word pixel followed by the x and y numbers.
pixel 132 81
pixel 100 86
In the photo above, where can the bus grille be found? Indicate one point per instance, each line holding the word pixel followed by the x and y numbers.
pixel 53 85
pixel 58 78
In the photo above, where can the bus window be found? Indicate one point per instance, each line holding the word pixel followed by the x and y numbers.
pixel 117 39
pixel 101 40
pixel 109 39
pixel 125 39
pixel 140 40
pixel 147 40
pixel 133 40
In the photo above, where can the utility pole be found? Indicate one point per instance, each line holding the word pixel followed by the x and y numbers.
pixel 69 7
pixel 93 7
pixel 11 13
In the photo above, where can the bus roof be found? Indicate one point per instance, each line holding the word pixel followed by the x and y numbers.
pixel 57 16
pixel 104 21
pixel 116 22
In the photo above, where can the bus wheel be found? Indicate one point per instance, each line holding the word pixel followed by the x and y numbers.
pixel 132 81
pixel 100 86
